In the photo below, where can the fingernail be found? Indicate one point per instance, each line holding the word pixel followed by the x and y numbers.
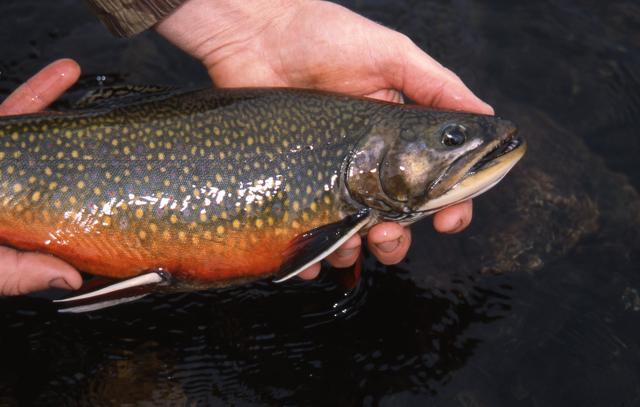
pixel 347 252
pixel 59 283
pixel 390 246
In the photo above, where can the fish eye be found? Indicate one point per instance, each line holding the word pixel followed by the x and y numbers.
pixel 454 135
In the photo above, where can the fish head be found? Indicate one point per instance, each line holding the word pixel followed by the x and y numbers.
pixel 416 161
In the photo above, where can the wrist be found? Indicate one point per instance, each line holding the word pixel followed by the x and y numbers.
pixel 211 29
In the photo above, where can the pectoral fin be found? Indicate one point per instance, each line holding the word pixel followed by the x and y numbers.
pixel 113 294
pixel 315 245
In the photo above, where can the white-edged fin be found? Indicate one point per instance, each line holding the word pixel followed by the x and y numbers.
pixel 114 294
pixel 327 246
pixel 99 305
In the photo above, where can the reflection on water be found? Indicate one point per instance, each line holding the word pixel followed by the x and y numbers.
pixel 253 343
pixel 556 325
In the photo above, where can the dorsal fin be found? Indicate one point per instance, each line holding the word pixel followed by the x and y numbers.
pixel 109 96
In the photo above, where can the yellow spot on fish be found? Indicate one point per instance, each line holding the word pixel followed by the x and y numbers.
pixel 10 169
pixel 203 217
pixel 182 236
pixel 295 224
pixel 32 180
pixel 57 204
pixel 48 172
pixel 97 191
pixel 296 206
pixel 259 223
pixel 166 235
pixel 142 234
pixel 14 136
pixel 73 200
pixel 80 184
pixel 139 213
pixel 218 178
pixel 74 154
pixel 2 155
pixel 270 220
pixel 250 141
pixel 207 235
pixel 236 223
pixel 160 156
pixel 313 206
pixel 106 221
pixel 173 219
pixel 153 228
pixel 126 150
pixel 114 142
pixel 17 188
pixel 220 230
pixel 166 182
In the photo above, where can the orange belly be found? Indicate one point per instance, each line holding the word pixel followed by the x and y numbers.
pixel 213 255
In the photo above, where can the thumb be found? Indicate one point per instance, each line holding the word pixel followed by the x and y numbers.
pixel 23 273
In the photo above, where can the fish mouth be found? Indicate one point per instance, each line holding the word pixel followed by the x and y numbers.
pixel 482 173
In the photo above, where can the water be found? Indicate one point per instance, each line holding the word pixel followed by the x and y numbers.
pixel 537 304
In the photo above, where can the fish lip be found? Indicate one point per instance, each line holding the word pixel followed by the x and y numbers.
pixel 486 170
pixel 503 147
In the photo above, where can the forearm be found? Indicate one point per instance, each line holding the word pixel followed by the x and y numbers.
pixel 126 18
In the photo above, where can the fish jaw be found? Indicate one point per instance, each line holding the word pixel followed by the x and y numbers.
pixel 477 182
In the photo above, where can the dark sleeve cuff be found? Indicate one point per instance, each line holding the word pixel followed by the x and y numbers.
pixel 126 18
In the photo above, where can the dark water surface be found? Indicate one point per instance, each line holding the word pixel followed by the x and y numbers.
pixel 537 304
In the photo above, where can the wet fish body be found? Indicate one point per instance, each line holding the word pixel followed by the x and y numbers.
pixel 213 187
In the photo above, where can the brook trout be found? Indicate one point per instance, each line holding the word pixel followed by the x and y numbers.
pixel 203 188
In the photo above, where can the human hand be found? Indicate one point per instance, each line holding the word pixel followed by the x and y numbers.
pixel 321 45
pixel 21 272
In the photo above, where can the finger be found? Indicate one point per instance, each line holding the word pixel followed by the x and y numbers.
pixel 42 89
pixel 347 254
pixel 389 95
pixel 426 81
pixel 389 242
pixel 310 272
pixel 454 218
pixel 22 273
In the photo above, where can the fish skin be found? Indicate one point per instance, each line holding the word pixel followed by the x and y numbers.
pixel 209 185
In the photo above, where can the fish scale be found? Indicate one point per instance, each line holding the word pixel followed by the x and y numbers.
pixel 152 180
pixel 181 190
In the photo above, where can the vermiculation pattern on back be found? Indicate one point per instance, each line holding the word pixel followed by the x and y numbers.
pixel 196 182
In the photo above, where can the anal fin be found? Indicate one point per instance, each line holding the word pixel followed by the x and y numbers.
pixel 315 245
pixel 113 294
